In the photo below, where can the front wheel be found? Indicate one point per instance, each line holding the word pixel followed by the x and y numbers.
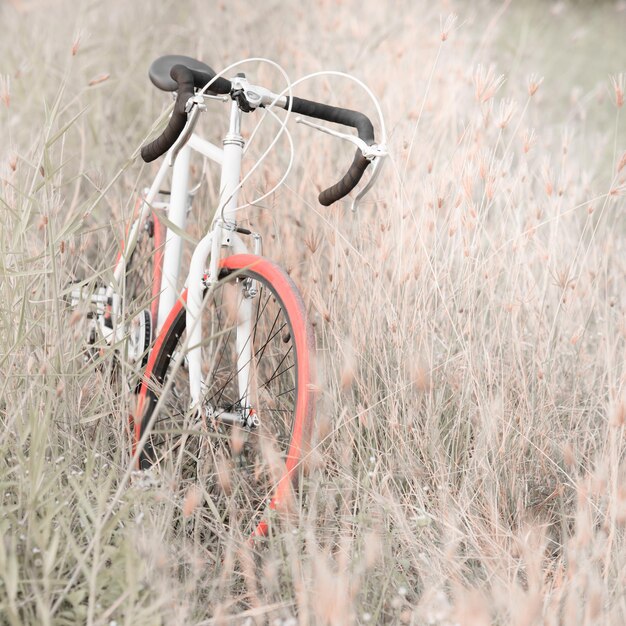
pixel 244 446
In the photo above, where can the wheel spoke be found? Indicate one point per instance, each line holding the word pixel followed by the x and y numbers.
pixel 273 376
pixel 260 350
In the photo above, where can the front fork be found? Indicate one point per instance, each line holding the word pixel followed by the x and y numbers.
pixel 198 282
pixel 223 234
pixel 244 345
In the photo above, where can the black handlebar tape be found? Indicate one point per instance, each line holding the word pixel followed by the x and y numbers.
pixel 186 79
pixel 349 181
pixel 346 117
pixel 328 113
pixel 219 85
pixel 185 82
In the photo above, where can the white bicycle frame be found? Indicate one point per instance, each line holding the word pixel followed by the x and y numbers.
pixel 221 234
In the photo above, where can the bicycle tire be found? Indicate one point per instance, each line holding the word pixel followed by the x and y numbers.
pixel 140 297
pixel 283 345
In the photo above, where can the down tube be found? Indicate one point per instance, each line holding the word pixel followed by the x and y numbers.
pixel 177 215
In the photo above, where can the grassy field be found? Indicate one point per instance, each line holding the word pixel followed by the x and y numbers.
pixel 470 459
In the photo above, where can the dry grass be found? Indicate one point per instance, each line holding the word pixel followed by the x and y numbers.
pixel 470 466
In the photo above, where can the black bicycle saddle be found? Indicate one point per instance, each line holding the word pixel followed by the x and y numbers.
pixel 159 71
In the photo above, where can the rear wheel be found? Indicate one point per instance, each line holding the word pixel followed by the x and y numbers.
pixel 120 315
pixel 243 447
pixel 141 298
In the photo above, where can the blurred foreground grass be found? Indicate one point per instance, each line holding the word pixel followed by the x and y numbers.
pixel 470 319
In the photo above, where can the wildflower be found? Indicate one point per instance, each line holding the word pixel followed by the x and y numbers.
pixel 618 418
pixel 312 241
pixel 99 79
pixel 5 90
pixel 447 25
pixel 76 43
pixel 486 83
pixel 349 367
pixel 528 140
pixel 618 86
pixel 505 112
pixel 534 81
pixel 547 175
pixel 193 498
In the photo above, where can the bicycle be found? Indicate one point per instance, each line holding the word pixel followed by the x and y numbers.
pixel 224 372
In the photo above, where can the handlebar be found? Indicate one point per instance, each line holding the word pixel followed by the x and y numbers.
pixel 346 117
pixel 187 79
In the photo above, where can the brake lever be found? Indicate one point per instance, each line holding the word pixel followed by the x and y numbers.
pixel 194 106
pixel 377 166
pixel 369 152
